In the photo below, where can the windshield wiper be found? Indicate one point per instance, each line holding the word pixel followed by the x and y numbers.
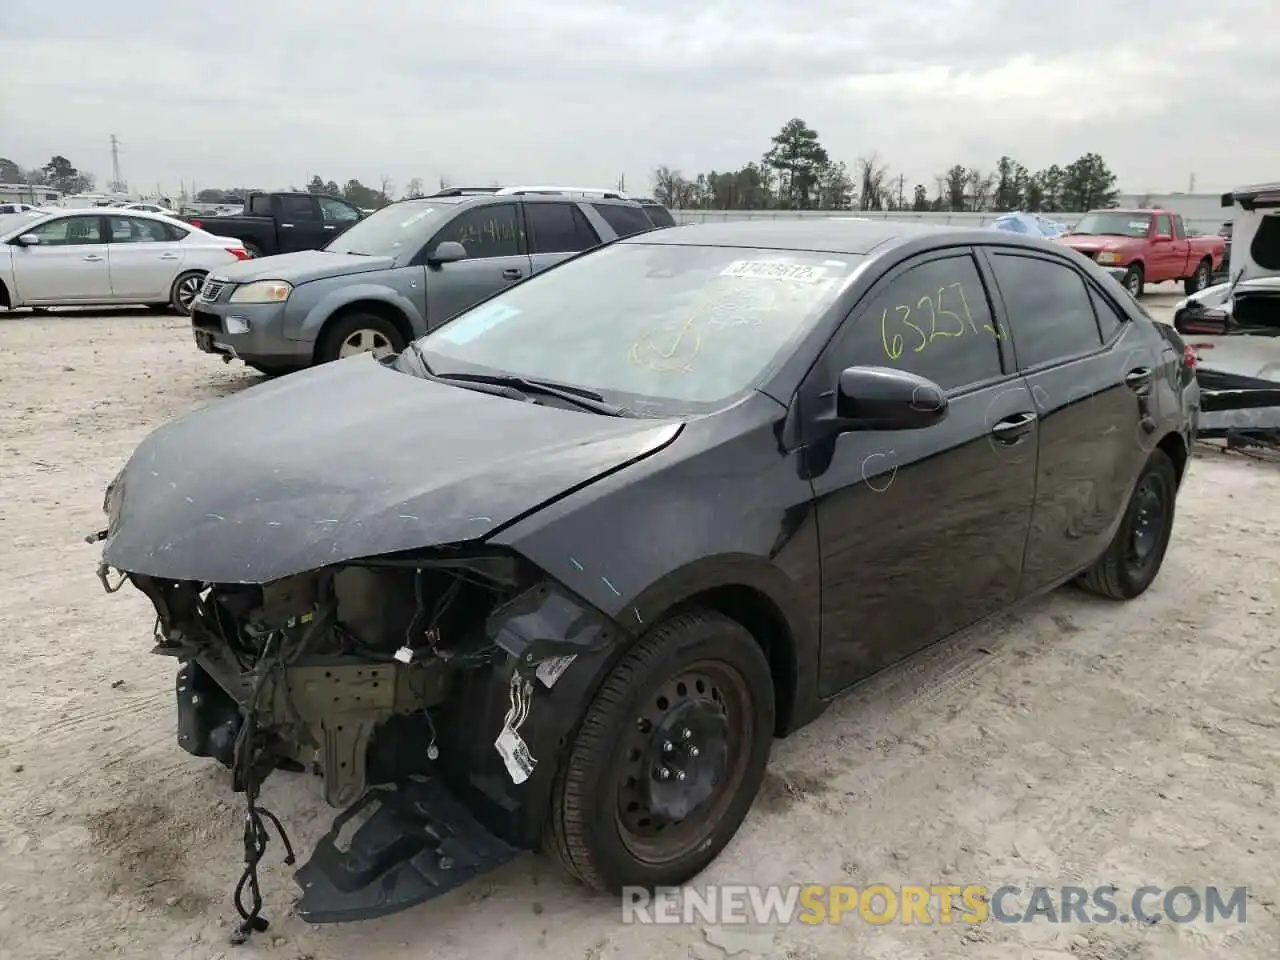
pixel 587 399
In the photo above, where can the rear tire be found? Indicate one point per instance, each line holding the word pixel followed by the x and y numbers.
pixel 184 292
pixel 1135 280
pixel 359 332
pixel 1200 279
pixel 693 698
pixel 1136 553
pixel 252 249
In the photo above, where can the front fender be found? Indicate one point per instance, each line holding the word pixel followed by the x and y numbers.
pixel 306 325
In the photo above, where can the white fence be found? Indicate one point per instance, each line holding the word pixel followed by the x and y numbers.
pixel 1203 225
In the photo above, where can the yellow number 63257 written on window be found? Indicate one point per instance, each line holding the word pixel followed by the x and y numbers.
pixel 941 321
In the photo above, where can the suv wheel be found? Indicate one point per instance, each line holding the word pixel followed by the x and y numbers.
pixel 359 332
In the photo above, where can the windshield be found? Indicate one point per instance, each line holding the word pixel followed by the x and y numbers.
pixel 397 231
pixel 660 329
pixel 1134 225
pixel 15 221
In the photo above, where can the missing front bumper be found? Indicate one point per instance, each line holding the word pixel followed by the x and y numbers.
pixel 398 846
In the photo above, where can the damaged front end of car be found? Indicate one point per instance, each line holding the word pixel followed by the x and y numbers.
pixel 431 692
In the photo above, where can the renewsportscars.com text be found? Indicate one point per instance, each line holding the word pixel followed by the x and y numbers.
pixel 932 904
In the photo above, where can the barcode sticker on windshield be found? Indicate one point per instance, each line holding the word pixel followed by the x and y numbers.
pixel 774 270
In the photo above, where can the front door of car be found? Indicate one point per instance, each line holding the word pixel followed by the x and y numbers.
pixel 69 263
pixel 336 216
pixel 922 531
pixel 496 258
pixel 556 231
pixel 144 259
pixel 1091 373
pixel 298 224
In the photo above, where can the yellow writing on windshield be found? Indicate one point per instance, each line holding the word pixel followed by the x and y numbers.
pixel 927 319
pixel 668 351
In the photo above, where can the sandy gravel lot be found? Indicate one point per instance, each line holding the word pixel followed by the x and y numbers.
pixel 1076 742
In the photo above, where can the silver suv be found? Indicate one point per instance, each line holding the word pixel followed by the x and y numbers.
pixel 402 271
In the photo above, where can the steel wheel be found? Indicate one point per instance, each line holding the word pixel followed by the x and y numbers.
pixel 365 341
pixel 1133 282
pixel 1147 521
pixel 683 761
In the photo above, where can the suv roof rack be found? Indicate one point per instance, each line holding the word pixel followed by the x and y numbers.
pixel 463 191
pixel 584 191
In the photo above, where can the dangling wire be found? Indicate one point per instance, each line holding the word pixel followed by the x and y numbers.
pixel 247 755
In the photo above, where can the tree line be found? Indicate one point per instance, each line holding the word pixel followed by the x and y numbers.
pixel 797 173
pixel 58 173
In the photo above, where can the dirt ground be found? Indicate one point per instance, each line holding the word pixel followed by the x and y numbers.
pixel 1074 742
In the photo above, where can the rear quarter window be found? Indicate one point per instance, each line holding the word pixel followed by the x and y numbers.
pixel 624 220
pixel 660 216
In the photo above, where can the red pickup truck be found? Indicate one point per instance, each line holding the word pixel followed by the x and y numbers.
pixel 1150 246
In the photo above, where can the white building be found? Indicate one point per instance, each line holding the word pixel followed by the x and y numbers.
pixel 33 194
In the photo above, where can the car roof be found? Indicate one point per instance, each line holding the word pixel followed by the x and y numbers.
pixel 854 237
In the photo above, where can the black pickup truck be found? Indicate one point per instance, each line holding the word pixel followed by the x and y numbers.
pixel 284 222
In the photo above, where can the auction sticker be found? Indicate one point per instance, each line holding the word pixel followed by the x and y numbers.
pixel 774 270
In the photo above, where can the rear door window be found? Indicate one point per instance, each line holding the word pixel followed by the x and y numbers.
pixel 659 215
pixel 558 228
pixel 298 208
pixel 1048 306
pixel 625 220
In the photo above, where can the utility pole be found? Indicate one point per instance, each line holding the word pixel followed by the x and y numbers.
pixel 902 182
pixel 117 184
pixel 1191 188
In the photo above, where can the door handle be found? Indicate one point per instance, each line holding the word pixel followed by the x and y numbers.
pixel 1138 378
pixel 511 273
pixel 286 226
pixel 169 256
pixel 330 227
pixel 1012 427
pixel 92 258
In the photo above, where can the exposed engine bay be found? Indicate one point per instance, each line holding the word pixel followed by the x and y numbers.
pixel 404 685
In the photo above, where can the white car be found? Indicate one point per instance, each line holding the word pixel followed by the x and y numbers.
pixel 150 208
pixel 8 208
pixel 1234 327
pixel 106 257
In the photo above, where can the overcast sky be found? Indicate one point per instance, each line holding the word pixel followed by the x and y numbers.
pixel 267 93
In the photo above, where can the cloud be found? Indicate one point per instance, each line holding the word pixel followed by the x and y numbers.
pixel 587 90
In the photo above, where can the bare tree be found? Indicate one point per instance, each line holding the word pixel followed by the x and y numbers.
pixel 414 189
pixel 872 175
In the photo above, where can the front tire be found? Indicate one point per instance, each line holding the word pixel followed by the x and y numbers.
pixel 359 332
pixel 1135 280
pixel 1198 280
pixel 1136 553
pixel 669 758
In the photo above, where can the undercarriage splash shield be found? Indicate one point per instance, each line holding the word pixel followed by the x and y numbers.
pixel 394 848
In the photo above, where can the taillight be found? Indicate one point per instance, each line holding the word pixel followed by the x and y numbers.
pixel 1189 356
pixel 240 253
pixel 196 223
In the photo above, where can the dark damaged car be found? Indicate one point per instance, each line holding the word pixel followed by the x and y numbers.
pixel 556 575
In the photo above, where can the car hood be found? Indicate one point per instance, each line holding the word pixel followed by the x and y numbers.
pixel 347 460
pixel 1096 244
pixel 301 267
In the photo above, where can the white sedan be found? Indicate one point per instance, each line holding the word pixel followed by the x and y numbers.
pixel 106 257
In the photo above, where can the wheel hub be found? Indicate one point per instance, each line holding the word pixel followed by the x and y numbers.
pixel 686 759
pixel 1147 522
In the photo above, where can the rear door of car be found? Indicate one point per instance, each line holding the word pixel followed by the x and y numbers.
pixel 922 531
pixel 556 230
pixel 1091 372
pixel 144 257
pixel 497 256
pixel 298 223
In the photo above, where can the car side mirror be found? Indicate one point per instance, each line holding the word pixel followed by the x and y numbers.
pixel 1206 321
pixel 449 251
pixel 28 240
pixel 1162 238
pixel 881 398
